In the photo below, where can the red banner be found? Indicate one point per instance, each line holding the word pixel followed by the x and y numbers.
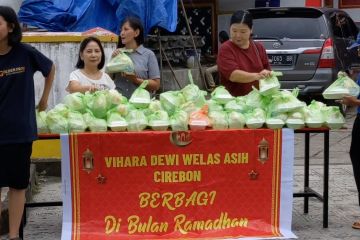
pixel 163 185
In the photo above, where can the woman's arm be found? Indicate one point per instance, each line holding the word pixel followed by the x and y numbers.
pixel 350 101
pixel 43 103
pixel 240 76
pixel 153 85
pixel 75 86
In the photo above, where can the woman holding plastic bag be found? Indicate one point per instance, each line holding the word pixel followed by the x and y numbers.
pixel 355 135
pixel 18 63
pixel 241 61
pixel 88 76
pixel 144 60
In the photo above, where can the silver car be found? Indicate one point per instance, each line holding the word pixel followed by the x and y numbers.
pixel 308 45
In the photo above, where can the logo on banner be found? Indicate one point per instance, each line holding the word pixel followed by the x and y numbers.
pixel 180 138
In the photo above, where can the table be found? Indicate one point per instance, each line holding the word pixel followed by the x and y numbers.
pixel 308 191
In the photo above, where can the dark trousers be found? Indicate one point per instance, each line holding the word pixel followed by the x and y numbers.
pixel 355 152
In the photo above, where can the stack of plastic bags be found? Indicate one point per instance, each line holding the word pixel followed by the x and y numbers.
pixel 188 108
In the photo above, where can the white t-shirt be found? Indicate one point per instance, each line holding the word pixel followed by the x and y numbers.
pixel 105 82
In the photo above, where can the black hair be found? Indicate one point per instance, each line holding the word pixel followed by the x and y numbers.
pixel 10 17
pixel 243 17
pixel 223 36
pixel 83 44
pixel 135 23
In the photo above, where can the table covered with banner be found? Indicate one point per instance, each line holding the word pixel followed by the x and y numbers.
pixel 223 184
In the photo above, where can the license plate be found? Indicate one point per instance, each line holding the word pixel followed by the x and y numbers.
pixel 281 60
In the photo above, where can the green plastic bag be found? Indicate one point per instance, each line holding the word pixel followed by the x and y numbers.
pixel 171 100
pixel 56 119
pixel 75 102
pixel 221 95
pixel 76 122
pixel 270 85
pixel 334 118
pixel 219 119
pixel 192 93
pixel 179 121
pixel 141 97
pixel 237 105
pixel 99 104
pixel 121 63
pixel 114 97
pixel 137 120
pixel 341 87
pixel 236 120
pixel 159 120
pixel 115 121
pixel 313 114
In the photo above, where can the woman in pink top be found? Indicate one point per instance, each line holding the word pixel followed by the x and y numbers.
pixel 241 61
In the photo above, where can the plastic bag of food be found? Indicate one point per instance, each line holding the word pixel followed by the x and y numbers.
pixel 189 107
pixel 334 118
pixel 236 120
pixel 275 120
pixel 159 120
pixel 221 95
pixel 56 119
pixel 192 93
pixel 270 85
pixel 214 105
pixel 255 118
pixel 255 100
pixel 199 120
pixel 237 105
pixel 137 120
pixel 115 121
pixel 341 87
pixel 41 122
pixel 141 97
pixel 97 125
pixel 124 108
pixel 75 102
pixel 121 63
pixel 313 114
pixel 99 104
pixel 295 120
pixel 219 119
pixel 179 121
pixel 115 98
pixel 171 100
pixel 285 101
pixel 76 122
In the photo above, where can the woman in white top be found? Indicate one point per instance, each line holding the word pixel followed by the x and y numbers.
pixel 88 76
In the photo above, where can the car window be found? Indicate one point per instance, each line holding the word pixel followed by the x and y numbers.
pixel 343 26
pixel 289 27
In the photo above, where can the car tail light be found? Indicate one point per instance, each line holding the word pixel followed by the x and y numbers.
pixel 327 58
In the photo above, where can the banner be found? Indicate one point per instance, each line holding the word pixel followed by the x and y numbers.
pixel 228 184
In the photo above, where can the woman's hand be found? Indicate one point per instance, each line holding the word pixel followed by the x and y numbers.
pixel 42 105
pixel 93 88
pixel 134 79
pixel 265 73
pixel 350 101
pixel 115 52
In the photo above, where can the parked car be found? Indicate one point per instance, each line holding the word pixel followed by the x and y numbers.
pixel 309 45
